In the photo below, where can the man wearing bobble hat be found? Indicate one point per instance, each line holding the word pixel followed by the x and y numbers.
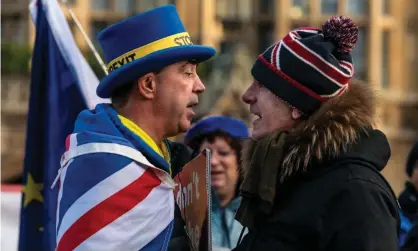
pixel 312 176
pixel 116 186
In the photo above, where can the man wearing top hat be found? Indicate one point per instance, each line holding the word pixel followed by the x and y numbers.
pixel 116 187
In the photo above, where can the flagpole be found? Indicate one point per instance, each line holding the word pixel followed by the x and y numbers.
pixel 86 37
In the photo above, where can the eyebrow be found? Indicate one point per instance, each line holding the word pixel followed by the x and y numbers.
pixel 189 62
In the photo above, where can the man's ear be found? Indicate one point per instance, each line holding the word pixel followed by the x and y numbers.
pixel 296 114
pixel 147 85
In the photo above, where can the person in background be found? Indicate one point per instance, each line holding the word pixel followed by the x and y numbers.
pixel 405 228
pixel 408 199
pixel 222 135
pixel 411 240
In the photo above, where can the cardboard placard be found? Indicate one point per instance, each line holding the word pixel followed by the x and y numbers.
pixel 193 196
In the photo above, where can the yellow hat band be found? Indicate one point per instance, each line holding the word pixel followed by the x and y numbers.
pixel 178 39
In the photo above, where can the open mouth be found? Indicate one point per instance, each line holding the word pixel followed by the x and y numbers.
pixel 215 173
pixel 256 116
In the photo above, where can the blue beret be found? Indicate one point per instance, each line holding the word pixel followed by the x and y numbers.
pixel 233 127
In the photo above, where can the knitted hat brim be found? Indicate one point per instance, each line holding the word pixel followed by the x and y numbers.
pixel 285 88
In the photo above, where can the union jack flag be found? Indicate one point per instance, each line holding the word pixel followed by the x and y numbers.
pixel 111 198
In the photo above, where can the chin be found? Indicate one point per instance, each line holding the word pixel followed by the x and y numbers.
pixel 184 126
pixel 218 186
pixel 257 135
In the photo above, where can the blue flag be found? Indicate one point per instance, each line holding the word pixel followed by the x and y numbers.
pixel 62 84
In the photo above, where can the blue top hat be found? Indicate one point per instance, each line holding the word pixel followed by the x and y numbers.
pixel 235 128
pixel 144 43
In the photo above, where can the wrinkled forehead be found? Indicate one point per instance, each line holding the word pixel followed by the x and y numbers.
pixel 180 66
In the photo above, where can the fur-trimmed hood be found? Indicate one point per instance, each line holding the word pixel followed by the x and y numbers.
pixel 327 133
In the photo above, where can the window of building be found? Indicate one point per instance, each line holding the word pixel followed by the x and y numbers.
pixel 359 55
pixel 300 6
pixel 221 10
pixel 96 28
pixel 265 36
pixel 162 2
pixel 411 49
pixel 100 4
pixel 234 10
pixel 386 7
pixel 13 29
pixel 144 5
pixel 329 6
pixel 266 7
pixel 226 9
pixel 244 9
pixel 385 59
pixel 357 7
pixel 125 6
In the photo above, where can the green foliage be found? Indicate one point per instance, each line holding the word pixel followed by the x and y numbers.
pixel 15 59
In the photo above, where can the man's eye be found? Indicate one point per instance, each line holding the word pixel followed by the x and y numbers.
pixel 189 74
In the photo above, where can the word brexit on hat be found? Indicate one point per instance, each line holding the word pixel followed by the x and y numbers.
pixel 179 39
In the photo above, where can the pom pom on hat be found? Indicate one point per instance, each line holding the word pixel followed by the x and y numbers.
pixel 342 31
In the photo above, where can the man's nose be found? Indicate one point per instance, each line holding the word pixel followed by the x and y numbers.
pixel 248 96
pixel 198 86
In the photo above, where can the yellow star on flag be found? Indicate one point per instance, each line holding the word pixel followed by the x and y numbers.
pixel 32 191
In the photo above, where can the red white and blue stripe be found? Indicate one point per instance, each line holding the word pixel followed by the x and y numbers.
pixel 111 196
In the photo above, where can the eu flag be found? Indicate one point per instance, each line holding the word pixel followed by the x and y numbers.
pixel 62 84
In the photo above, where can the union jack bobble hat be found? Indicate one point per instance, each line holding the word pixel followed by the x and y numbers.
pixel 309 66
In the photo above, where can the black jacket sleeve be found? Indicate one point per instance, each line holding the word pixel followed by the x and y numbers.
pixel 362 216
